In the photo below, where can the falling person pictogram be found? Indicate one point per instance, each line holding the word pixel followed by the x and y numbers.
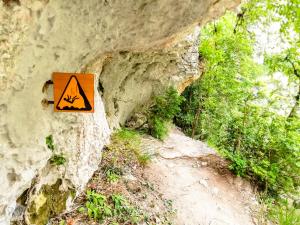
pixel 73 97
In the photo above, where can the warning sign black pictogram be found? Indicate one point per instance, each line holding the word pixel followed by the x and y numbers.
pixel 73 92
pixel 73 97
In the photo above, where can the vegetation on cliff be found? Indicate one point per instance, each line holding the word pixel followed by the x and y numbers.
pixel 165 107
pixel 231 108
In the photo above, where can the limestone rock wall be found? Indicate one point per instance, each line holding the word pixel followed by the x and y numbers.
pixel 136 48
pixel 129 79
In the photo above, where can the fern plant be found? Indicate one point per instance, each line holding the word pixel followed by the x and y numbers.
pixel 113 208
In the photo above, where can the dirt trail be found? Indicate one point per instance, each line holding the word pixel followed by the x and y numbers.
pixel 184 172
pixel 203 192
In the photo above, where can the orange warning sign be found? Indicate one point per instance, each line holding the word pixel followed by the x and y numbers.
pixel 73 92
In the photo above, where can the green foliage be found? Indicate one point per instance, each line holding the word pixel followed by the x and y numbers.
pixel 286 216
pixel 49 142
pixel 221 108
pixel 130 136
pixel 114 208
pixel 58 159
pixel 158 128
pixel 62 222
pixel 144 159
pixel 114 223
pixel 238 163
pixel 224 106
pixel 286 13
pixel 165 107
pixel 288 62
pixel 97 206
pixel 124 151
pixel 123 210
pixel 132 141
pixel 282 213
pixel 113 174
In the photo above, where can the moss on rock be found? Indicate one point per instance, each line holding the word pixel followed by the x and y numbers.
pixel 49 202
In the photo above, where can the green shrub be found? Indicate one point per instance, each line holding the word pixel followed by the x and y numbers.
pixel 114 208
pixel 113 174
pixel 287 216
pixel 144 159
pixel 97 206
pixel 234 109
pixel 238 165
pixel 124 151
pixel 165 107
pixel 130 136
pixel 123 211
pixel 158 128
pixel 222 108
pixel 283 214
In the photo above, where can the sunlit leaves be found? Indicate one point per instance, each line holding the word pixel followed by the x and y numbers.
pixel 229 108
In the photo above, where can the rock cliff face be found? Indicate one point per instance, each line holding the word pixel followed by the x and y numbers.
pixel 136 48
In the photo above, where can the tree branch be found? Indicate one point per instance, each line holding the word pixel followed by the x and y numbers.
pixel 239 20
pixel 296 73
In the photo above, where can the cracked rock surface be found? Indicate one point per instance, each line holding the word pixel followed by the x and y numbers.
pixel 135 48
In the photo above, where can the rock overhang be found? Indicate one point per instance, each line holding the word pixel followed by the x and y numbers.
pixel 144 45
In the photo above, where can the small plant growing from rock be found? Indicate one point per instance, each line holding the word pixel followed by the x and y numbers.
pixel 113 174
pixel 114 208
pixel 123 210
pixel 56 159
pixel 125 150
pixel 96 206
pixel 49 142
pixel 144 159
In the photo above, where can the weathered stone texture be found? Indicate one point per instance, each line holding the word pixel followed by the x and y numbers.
pixel 129 79
pixel 136 48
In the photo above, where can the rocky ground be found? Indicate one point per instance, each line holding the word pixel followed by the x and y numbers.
pixel 185 183
pixel 203 191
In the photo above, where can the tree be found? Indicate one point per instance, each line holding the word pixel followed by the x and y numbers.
pixel 287 62
pixel 287 14
pixel 224 109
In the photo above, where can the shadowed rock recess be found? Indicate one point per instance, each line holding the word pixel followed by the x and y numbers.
pixel 136 48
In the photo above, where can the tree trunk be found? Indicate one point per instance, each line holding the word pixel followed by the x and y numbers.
pixel 195 122
pixel 293 111
pixel 296 105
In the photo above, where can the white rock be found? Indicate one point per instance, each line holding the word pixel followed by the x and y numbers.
pixel 129 177
pixel 68 29
pixel 203 183
pixel 215 191
pixel 203 163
